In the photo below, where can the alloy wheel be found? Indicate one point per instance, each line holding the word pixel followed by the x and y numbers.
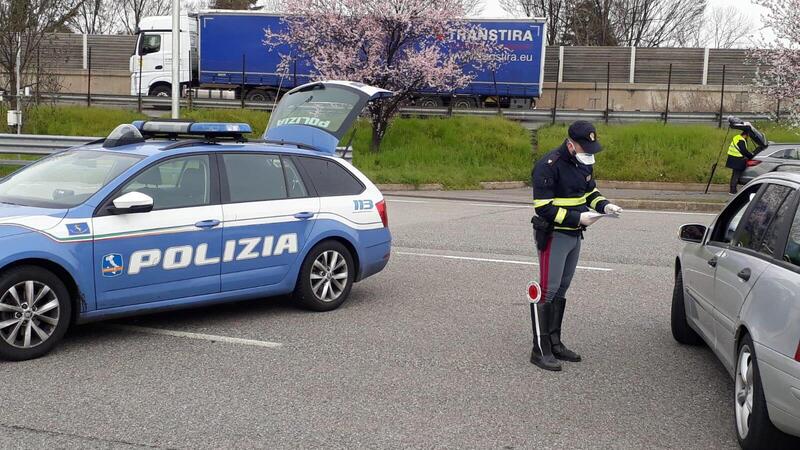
pixel 329 275
pixel 744 391
pixel 29 314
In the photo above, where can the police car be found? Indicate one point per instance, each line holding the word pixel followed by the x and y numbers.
pixel 147 220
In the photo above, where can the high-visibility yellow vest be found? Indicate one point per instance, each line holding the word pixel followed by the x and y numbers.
pixel 733 150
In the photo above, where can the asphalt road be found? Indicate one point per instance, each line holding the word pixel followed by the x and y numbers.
pixel 432 353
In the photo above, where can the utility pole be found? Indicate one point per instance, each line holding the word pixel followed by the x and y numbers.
pixel 176 59
pixel 18 74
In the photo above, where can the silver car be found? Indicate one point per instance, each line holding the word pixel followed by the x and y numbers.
pixel 778 157
pixel 737 287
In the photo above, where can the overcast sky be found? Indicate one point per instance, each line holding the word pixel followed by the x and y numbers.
pixel 492 9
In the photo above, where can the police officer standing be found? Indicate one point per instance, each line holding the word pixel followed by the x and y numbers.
pixel 737 159
pixel 564 190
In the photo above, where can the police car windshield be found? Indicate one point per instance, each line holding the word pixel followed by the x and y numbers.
pixel 64 180
pixel 326 108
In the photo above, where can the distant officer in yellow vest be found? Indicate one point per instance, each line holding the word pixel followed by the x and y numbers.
pixel 737 159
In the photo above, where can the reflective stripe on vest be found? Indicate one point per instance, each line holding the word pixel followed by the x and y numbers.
pixel 572 201
pixel 733 149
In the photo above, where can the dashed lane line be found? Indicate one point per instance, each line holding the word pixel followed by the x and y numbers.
pixel 492 260
pixel 198 336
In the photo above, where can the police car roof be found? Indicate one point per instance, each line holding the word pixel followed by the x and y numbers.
pixel 157 148
pixel 160 137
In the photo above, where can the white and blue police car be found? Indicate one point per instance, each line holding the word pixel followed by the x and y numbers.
pixel 169 214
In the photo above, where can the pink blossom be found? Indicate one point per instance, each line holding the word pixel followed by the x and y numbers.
pixel 392 44
pixel 779 66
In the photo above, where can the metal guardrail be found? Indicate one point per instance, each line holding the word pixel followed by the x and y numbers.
pixel 521 115
pixel 35 145
pixel 17 145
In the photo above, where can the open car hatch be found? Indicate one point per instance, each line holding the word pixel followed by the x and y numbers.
pixel 317 115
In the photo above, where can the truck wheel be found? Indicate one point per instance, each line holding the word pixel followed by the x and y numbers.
pixel 35 312
pixel 681 330
pixel 326 277
pixel 430 102
pixel 259 95
pixel 463 103
pixel 161 91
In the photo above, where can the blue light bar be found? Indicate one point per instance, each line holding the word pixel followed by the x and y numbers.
pixel 189 128
pixel 153 126
pixel 219 127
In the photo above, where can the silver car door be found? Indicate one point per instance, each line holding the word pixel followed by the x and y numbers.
pixel 698 273
pixel 700 263
pixel 747 258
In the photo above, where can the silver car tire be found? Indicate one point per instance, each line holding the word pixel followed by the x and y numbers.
pixel 35 312
pixel 681 331
pixel 326 277
pixel 754 429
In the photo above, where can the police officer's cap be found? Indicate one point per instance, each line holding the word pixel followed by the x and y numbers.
pixel 585 134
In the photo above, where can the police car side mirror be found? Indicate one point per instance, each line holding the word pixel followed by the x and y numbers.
pixel 132 202
pixel 692 232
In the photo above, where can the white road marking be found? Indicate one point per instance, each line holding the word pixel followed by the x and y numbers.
pixel 684 213
pixel 521 206
pixel 502 261
pixel 199 336
pixel 406 201
pixel 498 205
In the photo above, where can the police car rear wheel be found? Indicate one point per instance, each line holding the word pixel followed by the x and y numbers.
pixel 326 277
pixel 35 311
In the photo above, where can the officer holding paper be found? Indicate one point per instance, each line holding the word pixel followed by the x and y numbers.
pixel 564 193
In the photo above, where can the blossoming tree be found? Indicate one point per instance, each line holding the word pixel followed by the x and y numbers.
pixel 400 45
pixel 779 66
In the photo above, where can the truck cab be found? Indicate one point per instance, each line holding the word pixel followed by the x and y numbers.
pixel 151 62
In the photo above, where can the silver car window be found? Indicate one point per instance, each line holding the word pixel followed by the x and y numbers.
pixel 761 216
pixel 791 253
pixel 774 234
pixel 729 219
pixel 734 223
pixel 778 154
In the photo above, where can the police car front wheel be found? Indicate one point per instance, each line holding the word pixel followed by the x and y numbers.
pixel 326 277
pixel 35 311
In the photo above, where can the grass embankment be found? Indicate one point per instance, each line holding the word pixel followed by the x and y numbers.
pixel 458 152
pixel 658 152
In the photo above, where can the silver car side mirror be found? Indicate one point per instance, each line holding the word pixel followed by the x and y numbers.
pixel 692 232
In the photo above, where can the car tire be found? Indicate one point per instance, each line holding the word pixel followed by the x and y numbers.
pixel 35 312
pixel 681 330
pixel 326 267
pixel 754 429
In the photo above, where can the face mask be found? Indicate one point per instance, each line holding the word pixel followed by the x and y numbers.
pixel 585 158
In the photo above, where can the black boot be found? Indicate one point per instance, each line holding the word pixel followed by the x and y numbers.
pixel 560 350
pixel 542 354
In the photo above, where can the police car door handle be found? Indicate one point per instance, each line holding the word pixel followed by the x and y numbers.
pixel 211 223
pixel 712 262
pixel 304 215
